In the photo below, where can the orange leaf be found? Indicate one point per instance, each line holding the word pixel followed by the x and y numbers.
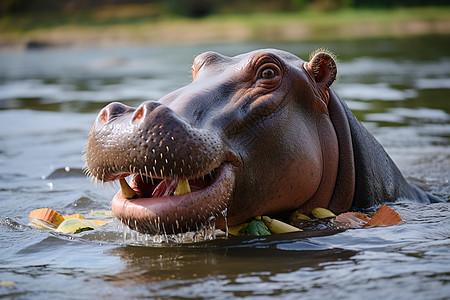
pixel 47 215
pixel 385 216
pixel 74 216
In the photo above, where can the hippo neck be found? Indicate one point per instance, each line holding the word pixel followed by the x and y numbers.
pixel 344 189
pixel 376 178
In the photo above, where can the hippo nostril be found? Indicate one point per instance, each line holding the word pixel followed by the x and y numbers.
pixel 103 116
pixel 112 111
pixel 138 114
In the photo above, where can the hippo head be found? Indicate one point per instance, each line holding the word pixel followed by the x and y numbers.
pixel 250 135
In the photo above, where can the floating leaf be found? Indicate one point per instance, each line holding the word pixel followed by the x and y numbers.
pixel 255 227
pixel 105 214
pixel 322 213
pixel 99 222
pixel 276 226
pixel 297 216
pixel 76 226
pixel 48 215
pixel 6 283
pixel 74 216
pixel 41 225
pixel 234 230
pixel 385 216
pixel 352 220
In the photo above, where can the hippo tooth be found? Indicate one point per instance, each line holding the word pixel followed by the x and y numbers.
pixel 182 187
pixel 127 191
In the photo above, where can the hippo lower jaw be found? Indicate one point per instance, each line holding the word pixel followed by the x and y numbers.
pixel 174 214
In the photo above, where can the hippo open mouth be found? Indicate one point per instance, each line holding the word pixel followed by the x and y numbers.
pixel 159 205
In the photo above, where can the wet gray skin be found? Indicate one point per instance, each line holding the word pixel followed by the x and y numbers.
pixel 255 134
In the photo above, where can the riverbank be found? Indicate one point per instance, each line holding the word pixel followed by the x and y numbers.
pixel 103 30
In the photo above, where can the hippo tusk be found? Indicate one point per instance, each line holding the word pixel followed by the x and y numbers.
pixel 127 191
pixel 182 187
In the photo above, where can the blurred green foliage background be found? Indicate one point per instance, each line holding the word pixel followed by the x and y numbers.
pixel 70 22
pixel 201 8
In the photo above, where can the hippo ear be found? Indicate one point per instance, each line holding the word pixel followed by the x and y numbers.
pixel 322 66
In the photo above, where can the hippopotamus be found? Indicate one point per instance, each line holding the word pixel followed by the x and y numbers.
pixel 260 133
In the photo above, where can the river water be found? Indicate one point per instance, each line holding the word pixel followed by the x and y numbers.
pixel 49 98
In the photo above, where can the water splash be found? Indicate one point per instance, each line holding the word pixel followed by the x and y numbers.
pixel 206 232
pixel 225 214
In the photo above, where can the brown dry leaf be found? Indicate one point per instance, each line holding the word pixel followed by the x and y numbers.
pixel 385 216
pixel 352 220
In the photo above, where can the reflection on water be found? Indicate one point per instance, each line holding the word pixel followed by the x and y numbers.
pixel 249 270
pixel 49 99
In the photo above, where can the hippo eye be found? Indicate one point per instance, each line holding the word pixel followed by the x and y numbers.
pixel 267 73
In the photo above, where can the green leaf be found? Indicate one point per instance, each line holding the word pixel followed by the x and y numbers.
pixel 106 214
pixel 255 227
pixel 76 226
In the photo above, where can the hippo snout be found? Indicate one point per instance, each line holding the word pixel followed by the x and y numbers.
pixel 157 149
pixel 150 139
